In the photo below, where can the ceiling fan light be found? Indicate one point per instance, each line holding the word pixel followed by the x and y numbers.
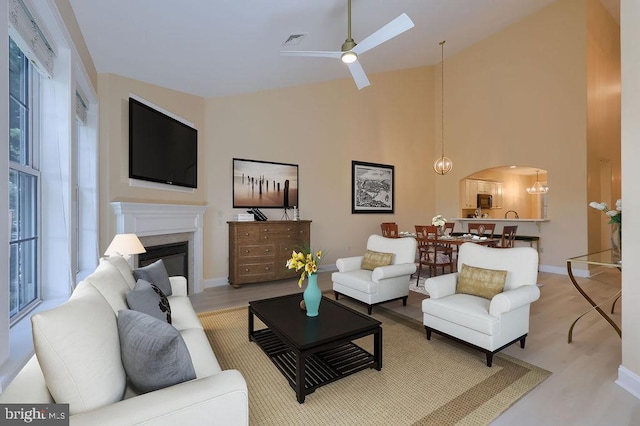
pixel 349 57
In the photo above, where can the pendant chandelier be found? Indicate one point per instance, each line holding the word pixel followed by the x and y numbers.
pixel 442 165
pixel 537 187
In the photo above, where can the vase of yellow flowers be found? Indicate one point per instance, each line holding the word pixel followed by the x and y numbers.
pixel 308 263
pixel 615 220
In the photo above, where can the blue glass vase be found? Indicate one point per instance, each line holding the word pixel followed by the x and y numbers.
pixel 312 296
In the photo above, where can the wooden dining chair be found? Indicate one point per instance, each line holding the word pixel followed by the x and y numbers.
pixel 448 228
pixel 508 236
pixel 389 229
pixel 432 252
pixel 482 229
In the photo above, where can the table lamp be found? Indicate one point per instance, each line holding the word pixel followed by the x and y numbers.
pixel 125 245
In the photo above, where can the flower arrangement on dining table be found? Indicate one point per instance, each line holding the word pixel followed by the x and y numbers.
pixel 307 262
pixel 439 220
pixel 615 216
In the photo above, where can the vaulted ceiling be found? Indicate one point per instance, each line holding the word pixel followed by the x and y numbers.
pixel 226 47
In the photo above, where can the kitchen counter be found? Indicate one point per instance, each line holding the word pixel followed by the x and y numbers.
pixel 495 219
pixel 522 230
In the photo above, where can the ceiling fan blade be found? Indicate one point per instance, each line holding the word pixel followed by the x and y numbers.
pixel 358 74
pixel 315 53
pixel 394 28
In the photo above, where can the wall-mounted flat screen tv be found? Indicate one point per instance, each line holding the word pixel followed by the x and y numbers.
pixel 161 148
pixel 264 184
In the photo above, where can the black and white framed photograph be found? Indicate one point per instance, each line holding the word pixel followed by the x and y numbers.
pixel 264 184
pixel 371 188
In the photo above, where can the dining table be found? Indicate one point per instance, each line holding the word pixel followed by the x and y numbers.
pixel 458 240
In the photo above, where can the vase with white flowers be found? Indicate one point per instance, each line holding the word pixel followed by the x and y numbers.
pixel 615 220
pixel 308 262
pixel 439 221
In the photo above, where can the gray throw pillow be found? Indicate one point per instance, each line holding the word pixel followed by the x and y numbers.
pixel 154 354
pixel 156 273
pixel 148 298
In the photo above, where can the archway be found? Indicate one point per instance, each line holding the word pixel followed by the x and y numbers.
pixel 506 188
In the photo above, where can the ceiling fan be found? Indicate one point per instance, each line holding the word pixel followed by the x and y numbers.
pixel 350 50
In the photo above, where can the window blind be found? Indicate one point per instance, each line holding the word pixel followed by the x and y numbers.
pixel 30 37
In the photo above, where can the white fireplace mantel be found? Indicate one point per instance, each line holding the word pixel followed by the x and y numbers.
pixel 147 219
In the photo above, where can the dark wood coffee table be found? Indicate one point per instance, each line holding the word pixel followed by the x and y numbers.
pixel 314 351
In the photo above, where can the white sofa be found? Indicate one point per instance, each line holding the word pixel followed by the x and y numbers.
pixel 78 355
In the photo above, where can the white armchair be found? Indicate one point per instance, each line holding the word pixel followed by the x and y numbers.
pixel 487 325
pixel 382 283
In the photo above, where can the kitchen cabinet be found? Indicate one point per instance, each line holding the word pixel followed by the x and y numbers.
pixel 497 195
pixel 469 193
pixel 485 187
pixel 258 251
pixel 470 188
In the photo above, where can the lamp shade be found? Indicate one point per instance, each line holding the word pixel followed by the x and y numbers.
pixel 125 245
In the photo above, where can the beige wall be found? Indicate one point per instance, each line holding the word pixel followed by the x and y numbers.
pixel 603 112
pixel 322 128
pixel 630 15
pixel 113 92
pixel 519 98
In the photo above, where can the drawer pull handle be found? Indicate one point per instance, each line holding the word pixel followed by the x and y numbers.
pixel 266 268
pixel 267 250
pixel 246 234
pixel 247 251
pixel 246 269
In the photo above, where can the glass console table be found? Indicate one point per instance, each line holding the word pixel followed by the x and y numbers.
pixel 605 259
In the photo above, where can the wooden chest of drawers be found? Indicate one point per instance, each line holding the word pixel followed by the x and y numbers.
pixel 258 251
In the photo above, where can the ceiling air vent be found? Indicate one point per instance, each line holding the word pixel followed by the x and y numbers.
pixel 294 39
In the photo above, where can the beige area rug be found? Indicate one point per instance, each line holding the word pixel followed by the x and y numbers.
pixel 437 382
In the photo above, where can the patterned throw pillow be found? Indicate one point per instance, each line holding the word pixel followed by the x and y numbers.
pixel 148 298
pixel 154 354
pixel 373 259
pixel 480 282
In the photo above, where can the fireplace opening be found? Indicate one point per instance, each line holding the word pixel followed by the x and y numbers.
pixel 175 257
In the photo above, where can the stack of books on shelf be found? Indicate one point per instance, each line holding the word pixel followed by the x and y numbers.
pixel 244 217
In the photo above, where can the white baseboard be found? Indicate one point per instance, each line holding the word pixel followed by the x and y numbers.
pixel 216 282
pixel 224 281
pixel 629 381
pixel 562 270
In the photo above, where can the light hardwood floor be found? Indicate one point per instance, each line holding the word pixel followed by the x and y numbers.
pixel 581 390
